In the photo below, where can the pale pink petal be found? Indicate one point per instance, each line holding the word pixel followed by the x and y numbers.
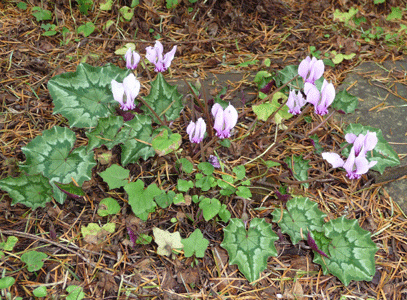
pixel 350 137
pixel 370 141
pixel 168 57
pixel 230 115
pixel 362 165
pixel 215 108
pixel 118 91
pixel 333 158
pixel 313 95
pixel 304 67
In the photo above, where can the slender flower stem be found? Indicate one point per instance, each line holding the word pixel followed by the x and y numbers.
pixel 203 107
pixel 205 147
pixel 321 124
pixel 145 68
pixel 152 110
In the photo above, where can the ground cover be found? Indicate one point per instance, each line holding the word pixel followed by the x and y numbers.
pixel 212 37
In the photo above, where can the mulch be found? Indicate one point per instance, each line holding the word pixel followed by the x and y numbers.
pixel 212 39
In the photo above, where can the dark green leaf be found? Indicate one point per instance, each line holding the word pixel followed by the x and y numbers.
pixel 345 102
pixel 85 96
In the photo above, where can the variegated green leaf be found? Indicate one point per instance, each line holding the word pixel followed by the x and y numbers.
pixel 33 191
pixel 164 99
pixel 351 251
pixel 249 249
pixel 106 133
pixel 85 95
pixel 301 216
pixel 51 154
pixel 137 134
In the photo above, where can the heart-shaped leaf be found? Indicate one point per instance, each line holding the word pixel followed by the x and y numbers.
pixel 164 99
pixel 106 133
pixel 85 96
pixel 301 216
pixel 33 191
pixel 164 143
pixel 351 251
pixel 300 168
pixel 210 207
pixel 115 176
pixel 51 154
pixel 86 29
pixel 137 134
pixel 196 243
pixel 166 241
pixel 34 260
pixel 140 199
pixel 265 110
pixel 345 102
pixel 383 153
pixel 249 249
pixel 108 206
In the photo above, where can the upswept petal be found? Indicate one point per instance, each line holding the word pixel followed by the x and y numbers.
pixel 231 116
pixel 168 57
pixel 328 93
pixel 215 108
pixel 191 130
pixel 334 159
pixel 319 69
pixel 118 91
pixel 370 141
pixel 313 95
pixel 160 49
pixel 350 162
pixel 218 124
pixel 132 59
pixel 350 137
pixel 304 67
pixel 151 54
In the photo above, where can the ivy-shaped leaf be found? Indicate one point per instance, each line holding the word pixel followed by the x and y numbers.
pixel 51 154
pixel 166 241
pixel 351 251
pixel 165 199
pixel 108 206
pixel 9 244
pixel 85 96
pixel 300 168
pixel 345 102
pixel 301 216
pixel 140 199
pixel 196 243
pixel 288 73
pixel 33 191
pixel 34 260
pixel 115 176
pixel 249 249
pixel 106 133
pixel 265 110
pixel 137 134
pixel 164 142
pixel 164 99
pixel 383 153
pixel 210 207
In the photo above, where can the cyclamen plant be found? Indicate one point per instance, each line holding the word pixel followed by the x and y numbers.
pixel 53 173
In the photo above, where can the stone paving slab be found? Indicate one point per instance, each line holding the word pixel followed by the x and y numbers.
pixel 382 93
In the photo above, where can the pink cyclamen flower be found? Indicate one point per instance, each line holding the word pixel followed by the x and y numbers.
pixel 225 120
pixel 196 131
pixel 295 102
pixel 362 143
pixel 321 100
pixel 355 166
pixel 155 56
pixel 125 93
pixel 311 69
pixel 132 59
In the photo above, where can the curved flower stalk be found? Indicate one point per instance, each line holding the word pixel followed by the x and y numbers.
pixel 155 56
pixel 196 131
pixel 132 59
pixel 295 102
pixel 225 120
pixel 321 100
pixel 125 93
pixel 311 69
